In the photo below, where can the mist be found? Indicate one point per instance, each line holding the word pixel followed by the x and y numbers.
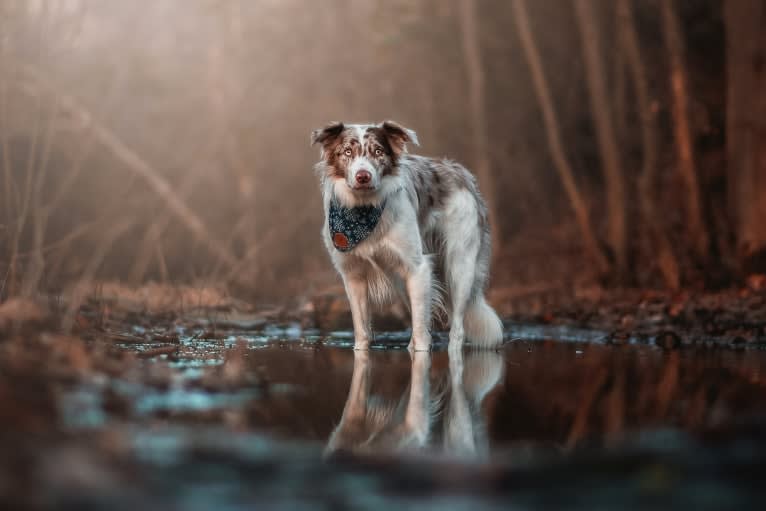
pixel 169 141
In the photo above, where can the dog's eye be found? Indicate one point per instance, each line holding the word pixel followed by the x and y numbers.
pixel 378 151
pixel 347 152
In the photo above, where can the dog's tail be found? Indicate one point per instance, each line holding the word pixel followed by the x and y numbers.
pixel 482 326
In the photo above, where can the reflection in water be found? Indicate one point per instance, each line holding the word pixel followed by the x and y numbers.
pixel 545 396
pixel 445 416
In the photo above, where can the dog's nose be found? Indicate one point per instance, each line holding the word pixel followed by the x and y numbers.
pixel 363 177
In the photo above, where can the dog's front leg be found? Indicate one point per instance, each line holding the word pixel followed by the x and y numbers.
pixel 417 417
pixel 352 422
pixel 356 290
pixel 418 282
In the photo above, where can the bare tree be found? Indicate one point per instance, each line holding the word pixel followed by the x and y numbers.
pixel 550 119
pixel 666 260
pixel 682 130
pixel 469 29
pixel 602 118
pixel 745 123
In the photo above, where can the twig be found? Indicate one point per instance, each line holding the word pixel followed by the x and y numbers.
pixel 81 289
pixel 140 167
pixel 161 223
pixel 589 396
pixel 668 385
pixel 164 350
pixel 125 338
pixel 79 231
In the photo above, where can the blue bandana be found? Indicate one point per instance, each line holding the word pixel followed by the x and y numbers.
pixel 351 226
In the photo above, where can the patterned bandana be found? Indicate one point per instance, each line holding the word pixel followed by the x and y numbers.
pixel 351 226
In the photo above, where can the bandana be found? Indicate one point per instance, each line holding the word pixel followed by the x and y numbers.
pixel 351 226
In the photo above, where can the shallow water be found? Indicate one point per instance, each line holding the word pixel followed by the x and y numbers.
pixel 295 419
pixel 531 392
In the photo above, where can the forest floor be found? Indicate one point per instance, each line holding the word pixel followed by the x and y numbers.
pixel 173 398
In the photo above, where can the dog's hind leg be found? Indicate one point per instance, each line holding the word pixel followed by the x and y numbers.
pixel 462 239
pixel 418 283
pixel 462 269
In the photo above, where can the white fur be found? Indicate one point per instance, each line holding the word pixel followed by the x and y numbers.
pixel 396 255
pixel 362 163
pixel 443 417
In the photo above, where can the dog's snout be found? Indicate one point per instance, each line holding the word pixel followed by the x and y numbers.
pixel 363 177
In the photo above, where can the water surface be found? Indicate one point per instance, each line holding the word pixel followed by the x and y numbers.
pixel 296 419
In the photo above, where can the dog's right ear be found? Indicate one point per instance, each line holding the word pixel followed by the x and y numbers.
pixel 327 134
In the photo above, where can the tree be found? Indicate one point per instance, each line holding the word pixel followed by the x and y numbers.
pixel 682 130
pixel 659 242
pixel 477 109
pixel 552 131
pixel 605 134
pixel 746 127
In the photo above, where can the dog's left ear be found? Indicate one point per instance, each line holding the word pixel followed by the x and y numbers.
pixel 399 136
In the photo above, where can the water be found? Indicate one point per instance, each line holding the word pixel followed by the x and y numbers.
pixel 289 420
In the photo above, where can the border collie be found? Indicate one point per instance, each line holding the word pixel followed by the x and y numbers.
pixel 407 226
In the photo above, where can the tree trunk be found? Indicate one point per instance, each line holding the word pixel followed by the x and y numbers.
pixel 605 134
pixel 666 260
pixel 682 130
pixel 550 119
pixel 467 15
pixel 746 128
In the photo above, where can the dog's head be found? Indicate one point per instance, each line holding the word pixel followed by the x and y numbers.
pixel 364 156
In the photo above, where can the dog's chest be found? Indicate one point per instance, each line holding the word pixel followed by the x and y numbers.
pixel 374 257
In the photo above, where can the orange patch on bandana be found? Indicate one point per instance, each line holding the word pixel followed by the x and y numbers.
pixel 340 240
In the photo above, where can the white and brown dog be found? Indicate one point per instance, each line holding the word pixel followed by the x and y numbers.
pixel 393 220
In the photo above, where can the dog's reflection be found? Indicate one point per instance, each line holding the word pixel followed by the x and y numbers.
pixel 445 416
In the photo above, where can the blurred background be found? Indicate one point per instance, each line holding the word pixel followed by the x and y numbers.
pixel 619 143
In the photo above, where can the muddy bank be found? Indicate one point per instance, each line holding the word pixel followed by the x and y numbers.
pixel 220 405
pixel 181 414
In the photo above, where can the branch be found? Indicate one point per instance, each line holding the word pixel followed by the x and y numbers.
pixel 139 166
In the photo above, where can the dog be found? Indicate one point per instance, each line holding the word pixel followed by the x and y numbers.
pixel 393 221
pixel 446 418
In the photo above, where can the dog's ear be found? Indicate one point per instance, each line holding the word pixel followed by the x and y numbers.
pixel 327 134
pixel 399 136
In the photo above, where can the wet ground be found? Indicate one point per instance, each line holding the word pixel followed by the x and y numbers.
pixel 276 416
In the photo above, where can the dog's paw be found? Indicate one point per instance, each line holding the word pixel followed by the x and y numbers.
pixel 456 340
pixel 419 344
pixel 361 346
pixel 455 349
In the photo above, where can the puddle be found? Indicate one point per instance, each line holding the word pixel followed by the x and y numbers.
pixel 555 394
pixel 283 420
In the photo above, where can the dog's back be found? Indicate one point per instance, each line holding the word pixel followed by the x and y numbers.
pixel 454 224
